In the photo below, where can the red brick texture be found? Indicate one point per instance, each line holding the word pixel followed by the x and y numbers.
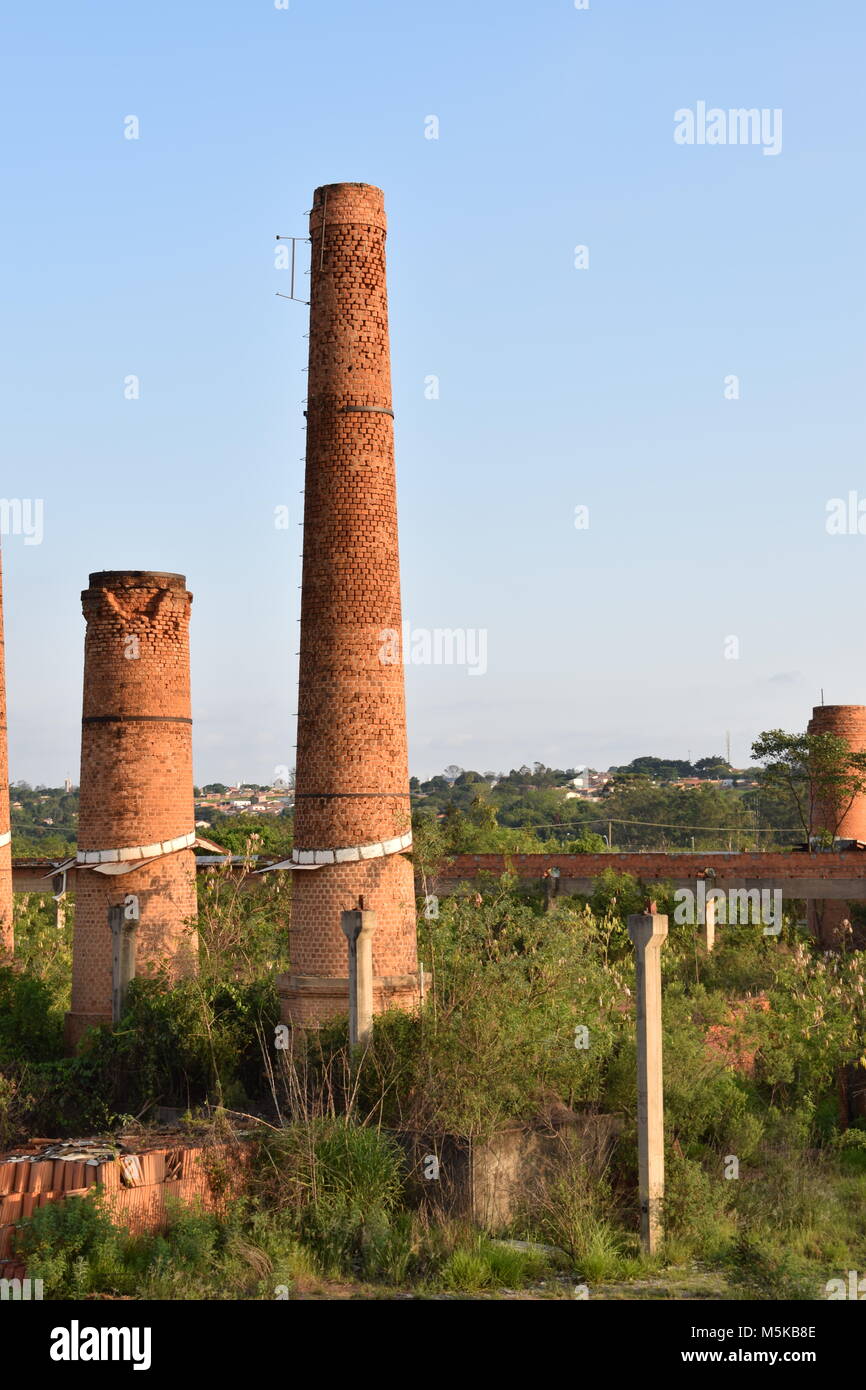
pixel 651 868
pixel 847 722
pixel 352 779
pixel 136 780
pixel 6 899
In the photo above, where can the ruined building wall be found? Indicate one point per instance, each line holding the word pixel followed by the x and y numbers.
pixel 352 778
pixel 136 783
pixel 6 899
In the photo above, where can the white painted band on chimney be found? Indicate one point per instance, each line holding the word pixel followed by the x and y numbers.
pixel 5 838
pixel 353 853
pixel 87 857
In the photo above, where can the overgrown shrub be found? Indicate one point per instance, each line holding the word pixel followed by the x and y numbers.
pixel 31 1026
pixel 341 1185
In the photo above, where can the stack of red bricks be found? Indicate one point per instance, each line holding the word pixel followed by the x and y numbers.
pixel 137 1186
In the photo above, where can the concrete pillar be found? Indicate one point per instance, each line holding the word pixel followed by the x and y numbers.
pixel 136 822
pixel 648 931
pixel 710 923
pixel 551 888
pixel 352 809
pixel 7 930
pixel 358 928
pixel 123 957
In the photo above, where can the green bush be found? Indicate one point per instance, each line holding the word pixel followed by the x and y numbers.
pixel 496 1040
pixel 761 1270
pixel 695 1202
pixel 75 1249
pixel 485 1264
pixel 341 1184
pixel 31 1026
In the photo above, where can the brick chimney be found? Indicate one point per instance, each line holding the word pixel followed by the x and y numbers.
pixel 7 939
pixel 352 815
pixel 847 722
pixel 137 820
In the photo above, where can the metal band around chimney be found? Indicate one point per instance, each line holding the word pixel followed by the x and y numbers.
pixel 366 409
pixel 87 857
pixel 135 719
pixel 330 796
pixel 353 853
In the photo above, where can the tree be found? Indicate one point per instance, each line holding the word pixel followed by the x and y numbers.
pixel 716 767
pixel 482 814
pixel 453 828
pixel 823 775
pixel 436 784
pixel 468 779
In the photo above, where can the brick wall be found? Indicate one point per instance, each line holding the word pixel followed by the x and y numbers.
pixel 6 899
pixel 352 779
pixel 136 780
pixel 654 868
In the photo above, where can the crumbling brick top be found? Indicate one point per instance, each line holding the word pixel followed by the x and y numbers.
pixel 136 579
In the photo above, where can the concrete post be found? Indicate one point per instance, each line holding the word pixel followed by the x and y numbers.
pixel 358 927
pixel 710 923
pixel 122 957
pixel 551 889
pixel 58 885
pixel 648 931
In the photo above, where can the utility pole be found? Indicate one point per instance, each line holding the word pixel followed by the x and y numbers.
pixel 358 928
pixel 648 931
pixel 123 920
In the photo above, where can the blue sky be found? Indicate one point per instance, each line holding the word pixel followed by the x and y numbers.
pixel 558 387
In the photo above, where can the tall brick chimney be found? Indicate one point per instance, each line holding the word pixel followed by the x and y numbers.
pixel 847 722
pixel 7 938
pixel 137 820
pixel 352 816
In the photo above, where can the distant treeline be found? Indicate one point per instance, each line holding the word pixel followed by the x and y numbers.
pixel 528 808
